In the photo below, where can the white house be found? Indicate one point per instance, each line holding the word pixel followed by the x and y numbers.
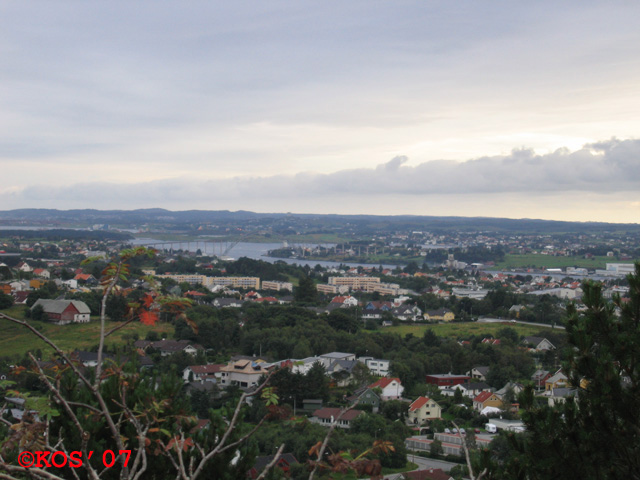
pixel 392 388
pixel 538 344
pixel 244 373
pixel 202 373
pixel 377 366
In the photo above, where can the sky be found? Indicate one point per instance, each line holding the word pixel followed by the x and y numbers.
pixel 466 108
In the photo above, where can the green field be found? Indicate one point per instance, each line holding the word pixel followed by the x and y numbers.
pixel 16 340
pixel 465 329
pixel 548 261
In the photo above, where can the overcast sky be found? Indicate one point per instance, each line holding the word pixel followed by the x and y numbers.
pixel 510 109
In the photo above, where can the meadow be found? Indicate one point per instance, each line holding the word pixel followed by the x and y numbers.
pixel 549 261
pixel 16 340
pixel 464 329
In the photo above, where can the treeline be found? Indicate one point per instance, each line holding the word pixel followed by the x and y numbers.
pixel 58 235
pixel 282 332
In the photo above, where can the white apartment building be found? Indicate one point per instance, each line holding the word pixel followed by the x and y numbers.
pixel 354 283
pixel 277 286
pixel 377 366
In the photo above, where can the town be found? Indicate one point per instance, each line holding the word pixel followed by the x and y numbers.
pixel 431 356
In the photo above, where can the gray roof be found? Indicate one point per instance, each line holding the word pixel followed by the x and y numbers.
pixel 336 355
pixel 475 386
pixel 564 392
pixel 482 369
pixel 340 365
pixel 58 306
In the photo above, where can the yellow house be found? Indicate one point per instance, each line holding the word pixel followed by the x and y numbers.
pixel 441 315
pixel 423 409
pixel 37 283
pixel 559 380
pixel 486 399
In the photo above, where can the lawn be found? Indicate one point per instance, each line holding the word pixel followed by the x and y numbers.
pixel 463 329
pixel 16 340
pixel 548 261
pixel 409 467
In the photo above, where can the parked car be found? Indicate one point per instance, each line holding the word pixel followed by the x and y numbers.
pixel 446 430
pixel 462 431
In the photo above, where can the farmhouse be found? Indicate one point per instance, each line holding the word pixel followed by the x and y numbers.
pixel 62 312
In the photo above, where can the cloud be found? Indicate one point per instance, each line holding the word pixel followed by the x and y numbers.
pixel 604 167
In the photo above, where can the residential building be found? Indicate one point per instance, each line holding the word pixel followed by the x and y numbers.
pixel 202 373
pixel 451 443
pixel 235 282
pixel 486 399
pixel 354 283
pixel 540 377
pixel 210 282
pixel 345 301
pixel 473 389
pixel 392 388
pixel 227 302
pixel 169 347
pixel 277 286
pixel 365 396
pixel 326 416
pixel 423 409
pixel 384 288
pixel 446 380
pixel 42 273
pixel 283 464
pixel 440 315
pixel 377 366
pixel 559 380
pixel 244 373
pixel 479 373
pixel 538 344
pixel 63 312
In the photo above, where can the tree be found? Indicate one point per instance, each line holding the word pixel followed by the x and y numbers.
pixel 436 447
pixel 596 430
pixel 118 408
pixel 5 301
pixel 306 291
pixel 38 313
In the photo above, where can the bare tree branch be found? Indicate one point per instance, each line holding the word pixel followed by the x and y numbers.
pixel 325 442
pixel 230 427
pixel 62 401
pixel 103 319
pixel 271 463
pixel 468 456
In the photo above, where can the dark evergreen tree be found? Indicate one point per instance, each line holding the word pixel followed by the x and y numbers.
pixel 595 434
pixel 306 291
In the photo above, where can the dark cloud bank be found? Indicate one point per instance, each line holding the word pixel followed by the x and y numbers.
pixel 604 167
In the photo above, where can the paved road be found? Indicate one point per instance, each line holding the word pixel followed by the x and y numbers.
pixel 423 464
pixel 507 321
pixel 430 463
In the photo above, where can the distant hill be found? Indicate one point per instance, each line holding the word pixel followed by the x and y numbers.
pixel 362 223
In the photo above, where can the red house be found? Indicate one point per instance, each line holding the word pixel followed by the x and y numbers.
pixel 284 463
pixel 62 312
pixel 445 380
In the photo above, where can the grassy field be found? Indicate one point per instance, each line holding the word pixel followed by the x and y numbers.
pixel 459 330
pixel 540 261
pixel 16 340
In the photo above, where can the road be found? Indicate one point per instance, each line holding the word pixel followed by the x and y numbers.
pixel 507 321
pixel 423 464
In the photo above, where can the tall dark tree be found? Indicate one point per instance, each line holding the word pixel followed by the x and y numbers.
pixel 595 434
pixel 306 291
